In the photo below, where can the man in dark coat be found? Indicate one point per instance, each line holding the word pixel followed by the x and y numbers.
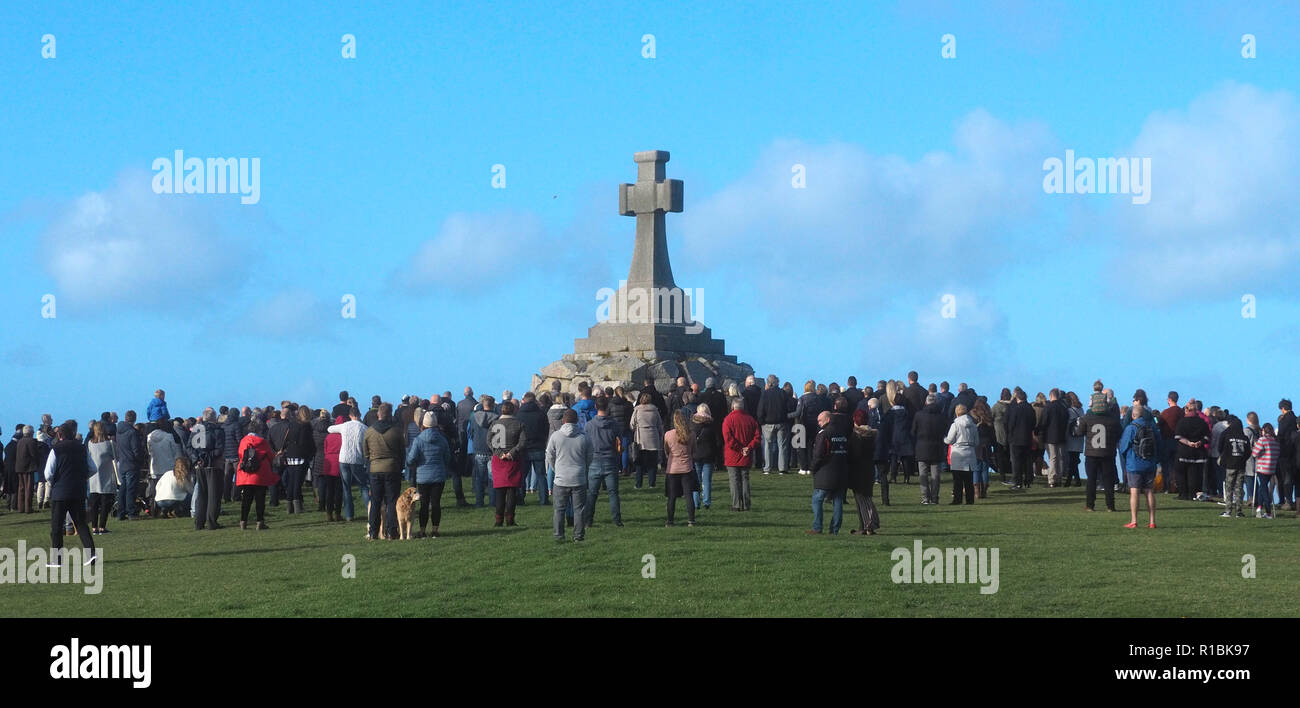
pixel 915 393
pixel 1020 423
pixel 538 429
pixel 128 451
pixel 1053 429
pixel 830 468
pixel 929 426
pixel 1286 466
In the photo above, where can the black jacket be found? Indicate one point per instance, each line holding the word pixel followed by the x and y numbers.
pixel 1101 434
pixel 831 458
pixel 298 441
pixel 771 407
pixel 1020 421
pixel 751 394
pixel 1286 433
pixel 128 448
pixel 929 426
pixel 704 431
pixel 1192 429
pixel 536 425
pixel 70 471
pixel 1056 420
pixel 620 410
pixel 915 393
pixel 863 451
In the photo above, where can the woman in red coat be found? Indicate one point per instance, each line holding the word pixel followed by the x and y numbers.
pixel 331 486
pixel 252 485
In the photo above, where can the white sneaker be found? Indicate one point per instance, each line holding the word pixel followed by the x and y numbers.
pixel 1259 512
pixel 1226 514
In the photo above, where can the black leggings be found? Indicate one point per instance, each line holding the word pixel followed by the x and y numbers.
pixel 430 503
pixel 680 485
pixel 59 510
pixel 248 493
pixel 882 476
pixel 963 484
pixel 331 492
pixel 100 506
pixel 505 502
pixel 208 506
pixel 1189 476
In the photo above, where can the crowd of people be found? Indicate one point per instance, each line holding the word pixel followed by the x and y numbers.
pixel 564 448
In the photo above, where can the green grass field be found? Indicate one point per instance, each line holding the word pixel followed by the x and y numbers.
pixel 1055 560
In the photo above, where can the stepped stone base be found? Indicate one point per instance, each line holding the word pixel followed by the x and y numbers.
pixel 629 369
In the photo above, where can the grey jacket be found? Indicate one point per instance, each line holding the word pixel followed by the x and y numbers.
pixel 963 435
pixel 569 453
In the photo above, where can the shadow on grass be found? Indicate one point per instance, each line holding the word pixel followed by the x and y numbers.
pixel 232 552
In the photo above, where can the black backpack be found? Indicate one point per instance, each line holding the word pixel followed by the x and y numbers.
pixel 248 462
pixel 1144 443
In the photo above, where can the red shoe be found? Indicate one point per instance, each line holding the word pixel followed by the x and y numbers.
pixel 1151 525
pixel 1131 525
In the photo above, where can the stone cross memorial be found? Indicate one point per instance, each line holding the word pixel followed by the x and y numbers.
pixel 650 328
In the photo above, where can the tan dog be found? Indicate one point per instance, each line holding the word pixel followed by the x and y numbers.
pixel 406 511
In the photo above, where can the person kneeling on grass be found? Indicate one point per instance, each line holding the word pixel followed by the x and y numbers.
pixel 570 454
pixel 172 492
pixel 1140 445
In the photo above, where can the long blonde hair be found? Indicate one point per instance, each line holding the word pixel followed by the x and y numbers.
pixel 683 430
pixel 891 391
pixel 182 470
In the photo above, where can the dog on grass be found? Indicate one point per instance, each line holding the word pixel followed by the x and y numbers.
pixel 406 511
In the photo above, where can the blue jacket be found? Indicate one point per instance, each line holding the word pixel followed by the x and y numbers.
pixel 586 409
pixel 1132 462
pixel 157 409
pixel 430 454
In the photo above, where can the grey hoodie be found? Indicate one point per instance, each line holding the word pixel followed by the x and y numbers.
pixel 569 453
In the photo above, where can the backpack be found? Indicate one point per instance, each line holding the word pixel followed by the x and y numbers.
pixel 248 462
pixel 1144 443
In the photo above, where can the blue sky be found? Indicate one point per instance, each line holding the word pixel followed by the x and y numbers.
pixel 924 179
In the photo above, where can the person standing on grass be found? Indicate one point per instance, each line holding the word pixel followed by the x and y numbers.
pixel 774 419
pixel 128 452
pixel 1101 434
pixel 1266 452
pixel 533 416
pixel 929 426
pixel 331 483
pixel 1233 451
pixel 604 432
pixel 962 438
pixel 1191 434
pixel 704 450
pixel 647 436
pixel 103 479
pixel 679 478
pixel 740 436
pixel 383 449
pixel 296 454
pixel 479 425
pixel 352 461
pixel 508 441
pixel 67 469
pixel 1141 446
pixel 208 474
pixel 570 453
pixel 254 474
pixel 431 460
pixel 830 467
pixel 862 472
pixel 1020 423
pixel 1286 462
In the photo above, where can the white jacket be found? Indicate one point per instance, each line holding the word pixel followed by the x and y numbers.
pixel 963 435
pixel 353 432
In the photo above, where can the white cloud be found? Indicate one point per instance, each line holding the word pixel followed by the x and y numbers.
pixel 127 244
pixel 1225 195
pixel 475 251
pixel 870 218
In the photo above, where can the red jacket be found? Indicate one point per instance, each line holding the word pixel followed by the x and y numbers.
pixel 739 431
pixel 264 476
pixel 333 443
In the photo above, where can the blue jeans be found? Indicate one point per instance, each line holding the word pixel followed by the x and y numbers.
pixel 351 473
pixel 194 496
pixel 535 474
pixel 482 479
pixel 126 494
pixel 704 472
pixel 837 508
pixel 981 472
pixel 776 447
pixel 626 440
pixel 604 470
